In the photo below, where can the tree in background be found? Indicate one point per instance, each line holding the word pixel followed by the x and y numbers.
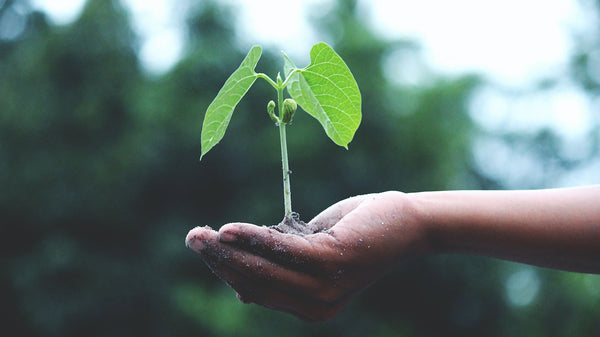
pixel 100 182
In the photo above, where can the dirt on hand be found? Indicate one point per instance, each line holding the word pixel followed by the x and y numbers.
pixel 296 226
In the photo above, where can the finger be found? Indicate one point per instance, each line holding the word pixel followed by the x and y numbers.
pixel 258 270
pixel 248 291
pixel 285 249
pixel 255 268
pixel 196 238
pixel 261 282
pixel 218 255
pixel 307 308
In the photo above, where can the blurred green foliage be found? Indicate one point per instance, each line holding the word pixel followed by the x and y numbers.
pixel 100 182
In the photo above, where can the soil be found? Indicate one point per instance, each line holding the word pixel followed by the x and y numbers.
pixel 295 226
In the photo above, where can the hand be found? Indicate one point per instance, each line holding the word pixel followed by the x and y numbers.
pixel 314 276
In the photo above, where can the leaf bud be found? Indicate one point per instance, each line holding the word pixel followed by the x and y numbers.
pixel 289 108
pixel 271 111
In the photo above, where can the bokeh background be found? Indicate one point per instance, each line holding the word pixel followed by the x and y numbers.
pixel 100 117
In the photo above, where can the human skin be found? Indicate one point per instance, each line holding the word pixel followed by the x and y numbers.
pixel 361 238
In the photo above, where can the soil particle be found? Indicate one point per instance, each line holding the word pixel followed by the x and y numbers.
pixel 296 226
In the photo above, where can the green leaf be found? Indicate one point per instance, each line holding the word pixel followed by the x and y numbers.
pixel 221 108
pixel 327 90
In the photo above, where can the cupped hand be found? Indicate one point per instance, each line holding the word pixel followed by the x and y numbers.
pixel 314 276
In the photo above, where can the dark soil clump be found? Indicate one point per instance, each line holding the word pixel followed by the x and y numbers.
pixel 296 226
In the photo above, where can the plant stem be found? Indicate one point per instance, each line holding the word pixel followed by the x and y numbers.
pixel 287 192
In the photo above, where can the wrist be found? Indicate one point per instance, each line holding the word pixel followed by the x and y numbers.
pixel 423 209
pixel 410 216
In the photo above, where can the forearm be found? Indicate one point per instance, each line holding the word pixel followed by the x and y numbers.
pixel 556 228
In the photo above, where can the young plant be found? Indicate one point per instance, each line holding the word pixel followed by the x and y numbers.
pixel 325 89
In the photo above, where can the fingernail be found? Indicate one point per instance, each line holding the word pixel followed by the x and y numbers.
pixel 227 237
pixel 192 241
pixel 189 241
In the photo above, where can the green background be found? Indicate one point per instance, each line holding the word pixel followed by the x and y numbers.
pixel 100 182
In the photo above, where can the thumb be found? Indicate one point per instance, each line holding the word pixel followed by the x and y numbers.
pixel 334 213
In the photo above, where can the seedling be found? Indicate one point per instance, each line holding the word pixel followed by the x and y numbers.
pixel 325 89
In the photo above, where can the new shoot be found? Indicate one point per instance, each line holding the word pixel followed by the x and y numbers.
pixel 325 89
